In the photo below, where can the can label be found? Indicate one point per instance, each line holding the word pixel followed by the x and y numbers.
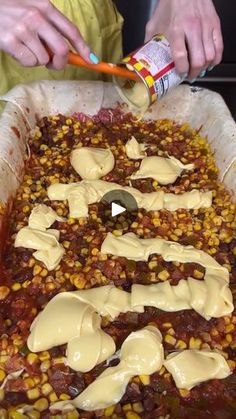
pixel 154 63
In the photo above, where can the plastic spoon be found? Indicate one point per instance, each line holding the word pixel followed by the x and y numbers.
pixel 102 67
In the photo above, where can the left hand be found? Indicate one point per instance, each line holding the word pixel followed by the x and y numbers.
pixel 193 30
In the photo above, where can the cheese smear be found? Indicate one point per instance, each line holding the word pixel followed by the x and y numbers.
pixel 81 195
pixel 135 150
pixel 192 367
pixel 92 163
pixel 65 319
pixel 164 170
pixel 141 353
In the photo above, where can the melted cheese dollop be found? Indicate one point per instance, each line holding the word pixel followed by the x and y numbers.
pixel 81 195
pixel 192 367
pixel 141 353
pixel 48 249
pixel 135 150
pixel 39 237
pixel 164 170
pixel 65 319
pixel 92 163
pixel 42 217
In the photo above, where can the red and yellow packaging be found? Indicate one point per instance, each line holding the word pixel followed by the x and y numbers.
pixel 154 64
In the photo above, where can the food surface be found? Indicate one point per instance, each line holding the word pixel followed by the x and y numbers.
pixel 136 292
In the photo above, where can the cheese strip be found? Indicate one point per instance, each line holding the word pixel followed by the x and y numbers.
pixel 164 170
pixel 135 150
pixel 92 163
pixel 65 319
pixel 108 300
pixel 132 247
pixel 48 249
pixel 192 367
pixel 42 217
pixel 209 298
pixel 141 353
pixel 80 195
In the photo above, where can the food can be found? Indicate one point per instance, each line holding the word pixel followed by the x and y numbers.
pixel 154 65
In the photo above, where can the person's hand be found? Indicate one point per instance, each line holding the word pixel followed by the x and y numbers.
pixel 193 30
pixel 28 28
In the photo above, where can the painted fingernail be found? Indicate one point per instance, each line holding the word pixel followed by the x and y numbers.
pixel 193 81
pixel 93 58
pixel 203 73
pixel 210 68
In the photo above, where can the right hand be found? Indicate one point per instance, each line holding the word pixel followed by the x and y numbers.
pixel 29 27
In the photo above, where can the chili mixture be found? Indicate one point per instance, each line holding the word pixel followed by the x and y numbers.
pixel 27 286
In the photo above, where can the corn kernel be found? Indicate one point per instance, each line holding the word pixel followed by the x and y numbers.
pixel 231 364
pixel 2 375
pixel 16 415
pixel 145 379
pixel 29 382
pixel 33 393
pixel 198 274
pixel 53 397
pixel 127 407
pixel 44 355
pixel 45 365
pixel 117 233
pixel 4 291
pixel 33 414
pixel 184 393
pixel 132 415
pixel 72 415
pixel 109 410
pixel 194 343
pixel 16 286
pixel 2 395
pixel 94 251
pixel 170 339
pixel 138 407
pixel 167 325
pixel 64 396
pixel 229 338
pixel 41 404
pixel 44 272
pixel 181 344
pixel 229 328
pixel 31 358
pixel 163 275
pixel 46 389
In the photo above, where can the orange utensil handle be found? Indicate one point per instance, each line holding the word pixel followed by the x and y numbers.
pixel 102 67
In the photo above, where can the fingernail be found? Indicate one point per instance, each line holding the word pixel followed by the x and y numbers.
pixel 93 58
pixel 193 81
pixel 210 68
pixel 203 73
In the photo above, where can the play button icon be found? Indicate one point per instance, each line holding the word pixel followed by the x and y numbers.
pixel 118 210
